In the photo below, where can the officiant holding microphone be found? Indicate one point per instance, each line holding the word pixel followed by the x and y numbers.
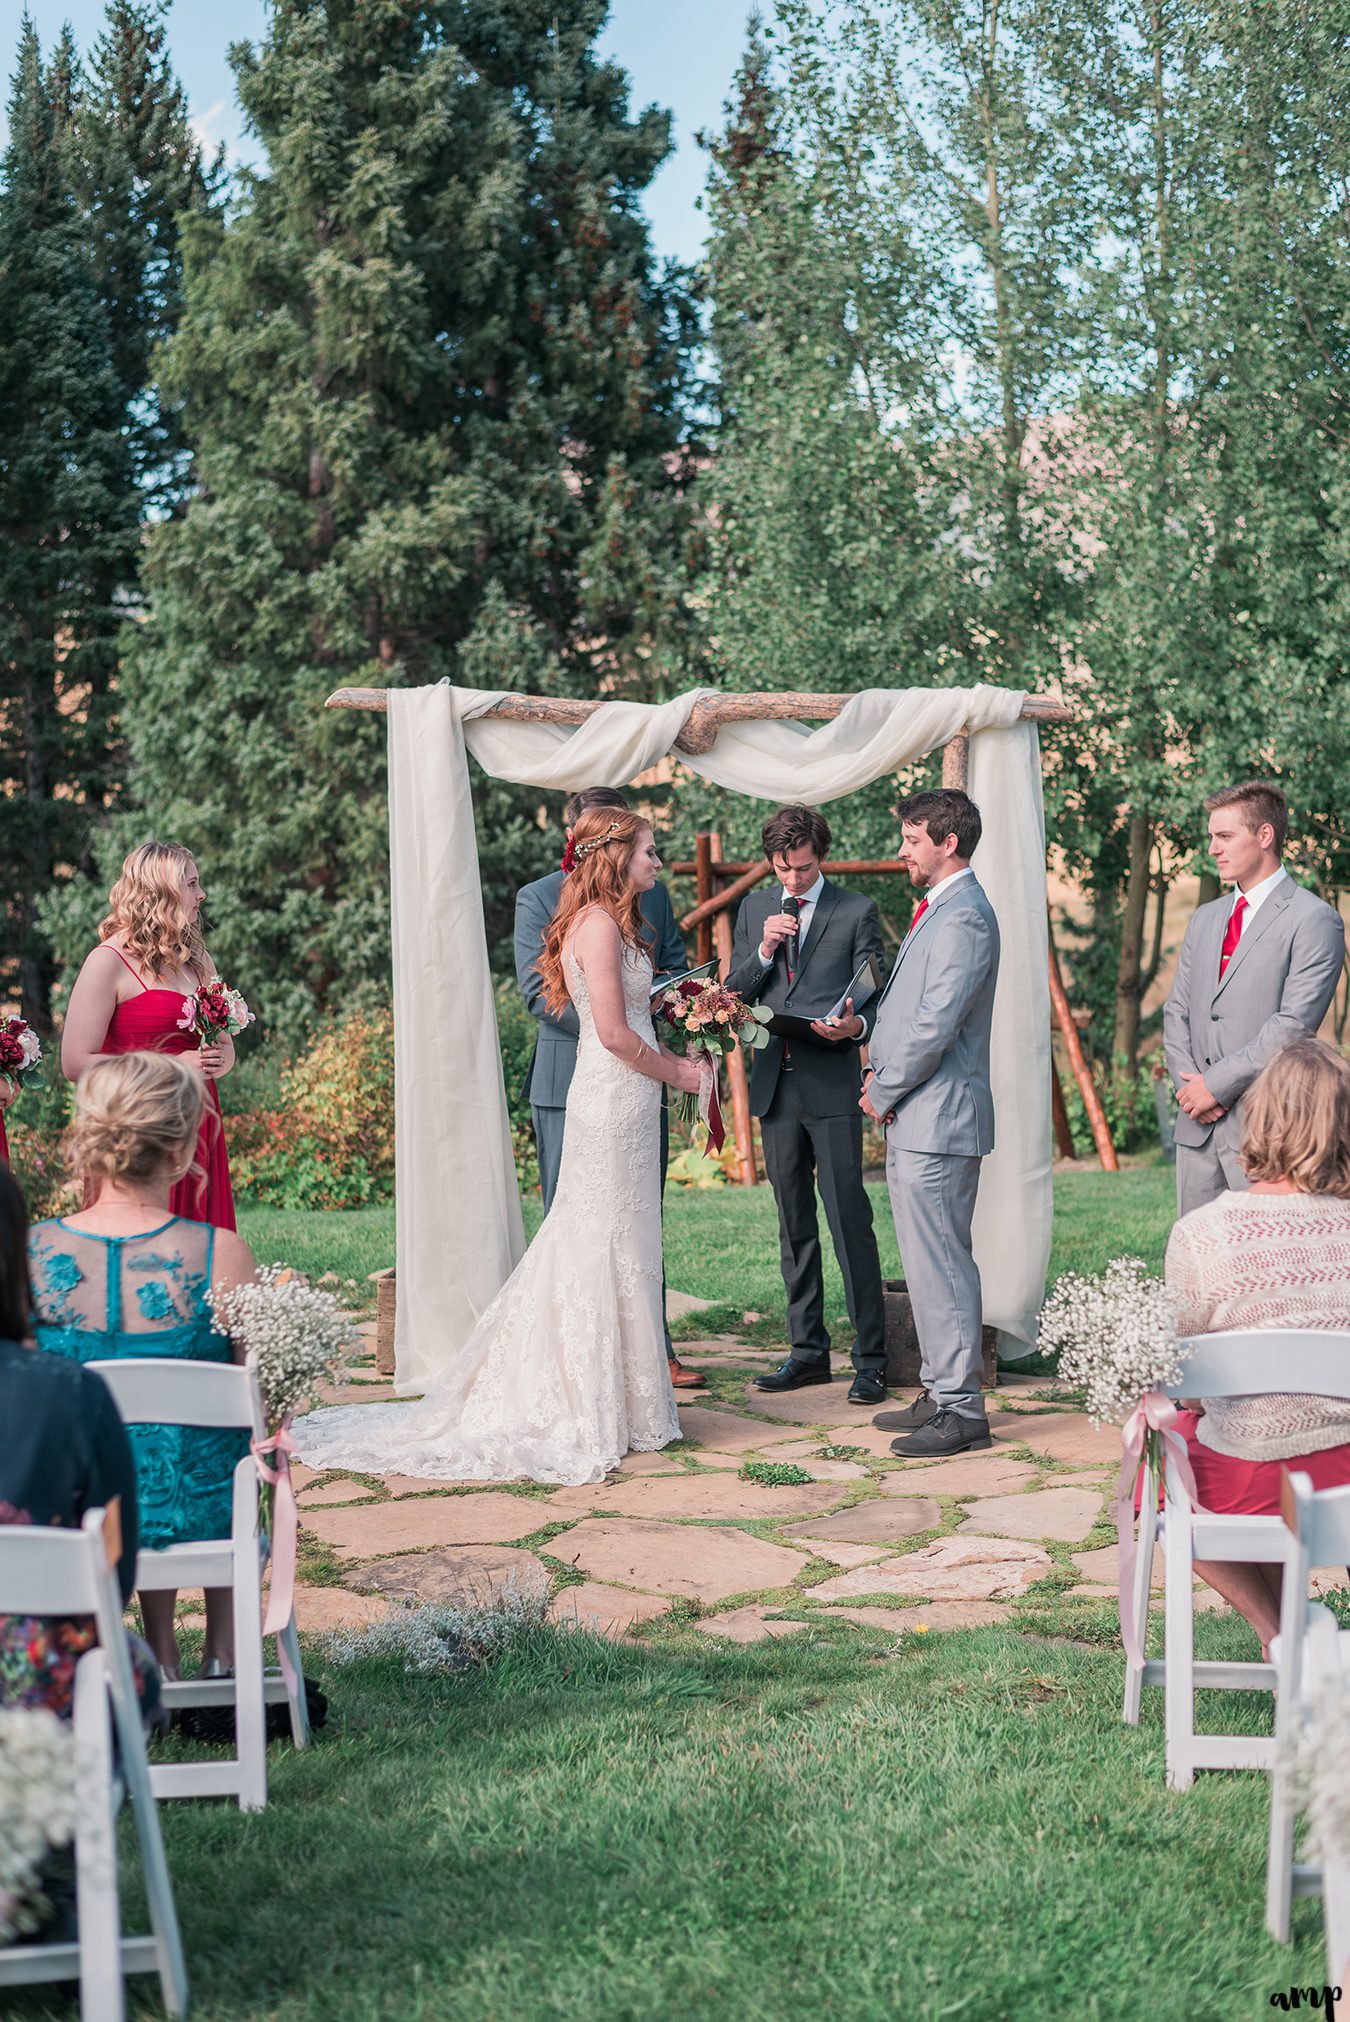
pixel 798 945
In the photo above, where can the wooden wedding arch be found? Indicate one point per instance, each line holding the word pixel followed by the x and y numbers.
pixel 710 918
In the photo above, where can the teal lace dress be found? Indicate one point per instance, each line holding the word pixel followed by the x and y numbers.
pixel 101 1298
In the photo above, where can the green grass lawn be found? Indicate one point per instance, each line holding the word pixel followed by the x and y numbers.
pixel 835 1825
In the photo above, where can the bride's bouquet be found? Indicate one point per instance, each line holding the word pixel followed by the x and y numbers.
pixel 214 1012
pixel 20 1051
pixel 712 1021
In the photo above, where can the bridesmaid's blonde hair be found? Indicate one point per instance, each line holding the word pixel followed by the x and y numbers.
pixel 137 1116
pixel 145 909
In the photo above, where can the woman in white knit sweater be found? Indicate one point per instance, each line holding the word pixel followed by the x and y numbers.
pixel 1276 1255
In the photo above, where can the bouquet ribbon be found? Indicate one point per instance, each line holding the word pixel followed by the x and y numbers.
pixel 285 1536
pixel 1154 1413
pixel 709 1107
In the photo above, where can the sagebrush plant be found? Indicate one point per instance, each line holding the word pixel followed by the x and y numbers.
pixel 1115 1336
pixel 37 1809
pixel 439 1637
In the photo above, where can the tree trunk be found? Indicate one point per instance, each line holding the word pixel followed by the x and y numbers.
pixel 1129 969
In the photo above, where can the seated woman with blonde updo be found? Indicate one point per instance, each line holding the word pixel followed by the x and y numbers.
pixel 129 1277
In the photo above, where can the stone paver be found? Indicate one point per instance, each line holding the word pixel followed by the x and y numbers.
pixel 400 1485
pixel 1103 1565
pixel 840 1554
pixel 1064 1435
pixel 818 1404
pixel 464 1575
pixel 885 1521
pixel 1065 1514
pixel 334 1491
pixel 318 1608
pixel 661 1558
pixel 723 1431
pixel 486 1519
pixel 963 1568
pixel 747 1625
pixel 607 1611
pixel 678 1304
pixel 649 1463
pixel 990 1473
pixel 931 1615
pixel 706 1494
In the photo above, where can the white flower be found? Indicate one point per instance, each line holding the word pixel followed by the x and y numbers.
pixel 1320 1762
pixel 32 1049
pixel 299 1335
pixel 37 1808
pixel 1116 1336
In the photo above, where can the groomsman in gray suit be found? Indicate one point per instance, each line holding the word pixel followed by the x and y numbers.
pixel 929 1084
pixel 1257 967
pixel 555 1050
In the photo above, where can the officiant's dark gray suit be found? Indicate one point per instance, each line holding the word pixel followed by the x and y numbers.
pixel 806 1098
pixel 555 1049
pixel 1277 985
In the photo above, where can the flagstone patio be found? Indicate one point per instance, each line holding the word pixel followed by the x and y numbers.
pixel 908 1546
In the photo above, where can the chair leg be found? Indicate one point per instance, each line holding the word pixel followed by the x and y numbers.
pixel 102 1988
pixel 1179 1629
pixel 1139 1599
pixel 1280 1841
pixel 289 1639
pixel 250 1710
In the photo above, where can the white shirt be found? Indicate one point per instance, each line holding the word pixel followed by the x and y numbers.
pixel 1255 895
pixel 807 901
pixel 935 892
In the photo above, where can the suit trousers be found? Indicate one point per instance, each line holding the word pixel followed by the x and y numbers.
pixel 549 1125
pixel 933 1202
pixel 1204 1171
pixel 802 1153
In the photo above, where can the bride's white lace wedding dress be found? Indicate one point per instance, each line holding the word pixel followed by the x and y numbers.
pixel 566 1370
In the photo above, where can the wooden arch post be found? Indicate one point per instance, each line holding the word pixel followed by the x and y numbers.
pixel 698 736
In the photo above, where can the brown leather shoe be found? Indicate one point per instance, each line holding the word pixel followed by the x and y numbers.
pixel 682 1378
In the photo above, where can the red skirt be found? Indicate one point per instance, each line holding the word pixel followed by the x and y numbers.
pixel 1232 1487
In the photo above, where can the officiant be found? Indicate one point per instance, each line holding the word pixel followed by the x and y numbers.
pixel 555 1051
pixel 799 944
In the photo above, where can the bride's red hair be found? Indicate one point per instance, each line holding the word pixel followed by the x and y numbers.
pixel 603 842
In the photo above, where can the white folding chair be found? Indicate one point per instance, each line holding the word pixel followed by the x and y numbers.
pixel 1244 1363
pixel 68 1572
pixel 157 1391
pixel 1310 1650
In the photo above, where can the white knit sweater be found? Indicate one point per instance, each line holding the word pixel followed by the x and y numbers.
pixel 1265 1260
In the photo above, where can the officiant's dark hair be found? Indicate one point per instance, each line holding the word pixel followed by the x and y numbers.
pixel 589 797
pixel 793 828
pixel 945 811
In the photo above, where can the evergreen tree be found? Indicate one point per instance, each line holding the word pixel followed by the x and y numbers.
pixel 68 522
pixel 436 392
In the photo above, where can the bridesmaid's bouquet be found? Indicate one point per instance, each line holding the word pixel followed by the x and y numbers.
pixel 712 1021
pixel 20 1051
pixel 214 1012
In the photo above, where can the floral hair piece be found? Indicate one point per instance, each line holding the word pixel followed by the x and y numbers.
pixel 581 850
pixel 569 857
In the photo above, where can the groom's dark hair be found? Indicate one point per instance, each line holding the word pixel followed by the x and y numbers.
pixel 945 811
pixel 591 796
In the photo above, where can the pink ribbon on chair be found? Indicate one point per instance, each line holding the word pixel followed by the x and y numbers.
pixel 285 1537
pixel 709 1107
pixel 1153 1413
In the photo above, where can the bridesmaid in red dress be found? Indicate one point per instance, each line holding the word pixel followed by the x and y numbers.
pixel 128 998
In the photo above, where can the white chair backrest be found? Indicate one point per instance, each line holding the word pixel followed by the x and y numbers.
pixel 154 1390
pixel 1250 1361
pixel 1319 1520
pixel 51 1571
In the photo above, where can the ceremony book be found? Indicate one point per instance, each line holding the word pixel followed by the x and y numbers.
pixel 867 980
pixel 699 975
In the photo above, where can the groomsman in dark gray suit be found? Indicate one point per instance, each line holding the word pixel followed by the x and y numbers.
pixel 1257 967
pixel 797 947
pixel 555 1050
pixel 928 1082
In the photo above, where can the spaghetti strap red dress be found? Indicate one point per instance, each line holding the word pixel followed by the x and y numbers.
pixel 149 1024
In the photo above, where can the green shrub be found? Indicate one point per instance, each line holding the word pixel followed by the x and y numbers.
pixel 1127 1100
pixel 34 1125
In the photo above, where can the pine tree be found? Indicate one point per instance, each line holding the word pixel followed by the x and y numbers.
pixel 68 522
pixel 436 390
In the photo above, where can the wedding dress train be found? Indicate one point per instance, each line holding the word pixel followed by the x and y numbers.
pixel 566 1370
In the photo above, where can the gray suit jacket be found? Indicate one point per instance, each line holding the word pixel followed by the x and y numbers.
pixel 555 1050
pixel 930 1045
pixel 1278 985
pixel 845 930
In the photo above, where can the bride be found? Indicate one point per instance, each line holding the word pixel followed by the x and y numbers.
pixel 566 1370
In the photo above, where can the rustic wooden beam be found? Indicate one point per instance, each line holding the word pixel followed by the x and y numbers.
pixel 717 907
pixel 1082 1074
pixel 737 1078
pixel 707 903
pixel 705 719
pixel 866 867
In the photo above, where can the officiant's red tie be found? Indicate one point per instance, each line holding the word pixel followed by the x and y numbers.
pixel 1232 934
pixel 919 912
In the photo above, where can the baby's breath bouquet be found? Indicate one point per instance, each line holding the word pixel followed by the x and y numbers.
pixel 1116 1337
pixel 299 1336
pixel 37 1809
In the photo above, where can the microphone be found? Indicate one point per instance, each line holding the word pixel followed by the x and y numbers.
pixel 793 906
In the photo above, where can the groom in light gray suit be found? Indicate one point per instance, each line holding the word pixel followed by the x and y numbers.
pixel 1257 967
pixel 929 1084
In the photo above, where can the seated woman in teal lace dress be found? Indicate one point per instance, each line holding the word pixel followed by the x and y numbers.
pixel 127 1277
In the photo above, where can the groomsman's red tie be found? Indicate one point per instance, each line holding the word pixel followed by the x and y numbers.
pixel 919 912
pixel 1232 934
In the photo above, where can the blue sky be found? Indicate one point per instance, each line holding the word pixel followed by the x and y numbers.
pixel 680 54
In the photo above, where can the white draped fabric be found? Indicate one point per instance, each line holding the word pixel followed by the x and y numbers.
pixel 458 1212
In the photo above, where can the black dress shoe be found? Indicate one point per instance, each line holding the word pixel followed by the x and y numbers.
pixel 909 1418
pixel 946 1433
pixel 868 1387
pixel 792 1375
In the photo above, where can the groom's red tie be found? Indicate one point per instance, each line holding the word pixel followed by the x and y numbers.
pixel 919 912
pixel 1232 934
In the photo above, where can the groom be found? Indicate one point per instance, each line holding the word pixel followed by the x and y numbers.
pixel 928 1082
pixel 555 1049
